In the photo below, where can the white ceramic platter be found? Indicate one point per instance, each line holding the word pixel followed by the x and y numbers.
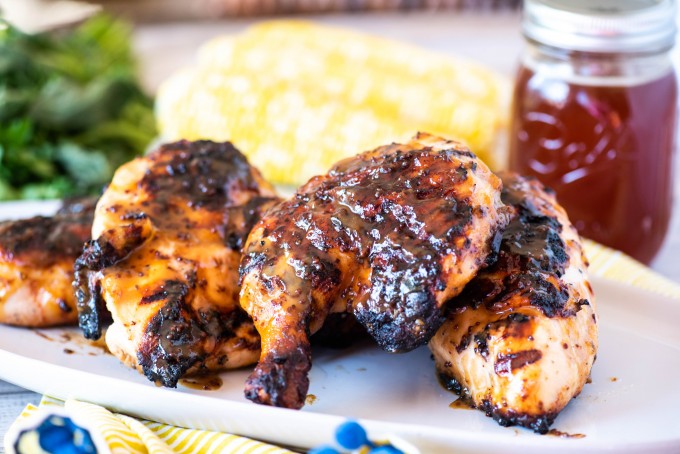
pixel 630 406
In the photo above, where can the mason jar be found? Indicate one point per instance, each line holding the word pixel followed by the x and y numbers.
pixel 594 115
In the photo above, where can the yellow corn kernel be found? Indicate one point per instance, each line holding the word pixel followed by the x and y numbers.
pixel 296 97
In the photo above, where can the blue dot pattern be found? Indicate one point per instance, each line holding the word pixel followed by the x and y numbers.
pixel 59 435
pixel 351 435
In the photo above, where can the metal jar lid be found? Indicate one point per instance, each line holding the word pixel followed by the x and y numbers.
pixel 601 25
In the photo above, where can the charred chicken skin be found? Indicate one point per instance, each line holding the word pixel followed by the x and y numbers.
pixel 520 341
pixel 389 235
pixel 36 266
pixel 163 264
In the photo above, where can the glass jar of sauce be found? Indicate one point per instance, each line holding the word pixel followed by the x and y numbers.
pixel 594 115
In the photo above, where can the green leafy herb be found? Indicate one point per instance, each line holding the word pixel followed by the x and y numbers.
pixel 71 109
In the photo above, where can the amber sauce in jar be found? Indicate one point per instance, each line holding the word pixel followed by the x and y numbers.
pixel 598 127
pixel 605 150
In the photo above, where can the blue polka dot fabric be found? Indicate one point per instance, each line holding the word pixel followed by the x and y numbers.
pixel 352 436
pixel 56 435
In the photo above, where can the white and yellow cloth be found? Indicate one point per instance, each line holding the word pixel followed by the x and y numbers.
pixel 126 435
pixel 617 266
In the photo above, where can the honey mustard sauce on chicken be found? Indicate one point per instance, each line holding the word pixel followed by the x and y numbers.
pixel 163 261
pixel 520 340
pixel 388 235
pixel 36 265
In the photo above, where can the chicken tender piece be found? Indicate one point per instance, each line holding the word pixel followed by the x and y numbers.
pixel 36 266
pixel 389 235
pixel 520 341
pixel 163 264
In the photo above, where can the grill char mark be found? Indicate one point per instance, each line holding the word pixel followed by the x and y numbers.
pixel 508 304
pixel 374 210
pixel 98 255
pixel 503 416
pixel 383 235
pixel 41 241
pixel 532 254
pixel 201 175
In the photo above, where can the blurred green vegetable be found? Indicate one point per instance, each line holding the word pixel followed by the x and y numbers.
pixel 71 109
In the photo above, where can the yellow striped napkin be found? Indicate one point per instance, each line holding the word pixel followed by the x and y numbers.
pixel 125 435
pixel 617 266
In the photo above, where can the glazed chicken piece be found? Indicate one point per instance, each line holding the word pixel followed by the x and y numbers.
pixel 168 234
pixel 36 265
pixel 520 341
pixel 388 235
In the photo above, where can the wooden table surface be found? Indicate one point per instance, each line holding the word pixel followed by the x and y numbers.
pixel 492 39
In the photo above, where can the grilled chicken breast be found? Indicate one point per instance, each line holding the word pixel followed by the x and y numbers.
pixel 520 341
pixel 388 235
pixel 164 258
pixel 36 265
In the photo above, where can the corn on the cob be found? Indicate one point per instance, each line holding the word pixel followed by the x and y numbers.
pixel 296 97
